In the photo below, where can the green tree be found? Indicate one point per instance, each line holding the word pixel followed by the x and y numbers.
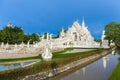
pixel 34 37
pixel 45 35
pixel 112 32
pixel 16 34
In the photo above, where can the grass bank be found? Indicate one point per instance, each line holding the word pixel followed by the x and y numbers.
pixel 60 55
pixel 19 59
pixel 58 61
pixel 116 73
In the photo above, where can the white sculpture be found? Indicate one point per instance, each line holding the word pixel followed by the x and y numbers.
pixel 62 33
pixel 15 46
pixel 28 44
pixel 47 36
pixel 104 42
pixel 43 37
pixel 50 36
pixel 22 44
pixel 7 45
pixel 47 55
pixel 2 44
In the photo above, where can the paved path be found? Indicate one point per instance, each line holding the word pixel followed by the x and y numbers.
pixel 78 50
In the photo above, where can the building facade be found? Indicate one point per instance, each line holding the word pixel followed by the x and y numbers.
pixel 78 35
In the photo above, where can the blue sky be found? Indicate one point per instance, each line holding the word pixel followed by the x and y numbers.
pixel 39 16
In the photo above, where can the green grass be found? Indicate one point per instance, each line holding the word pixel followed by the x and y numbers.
pixel 19 59
pixel 59 55
pixel 116 73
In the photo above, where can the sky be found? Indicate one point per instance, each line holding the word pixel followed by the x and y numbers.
pixel 39 16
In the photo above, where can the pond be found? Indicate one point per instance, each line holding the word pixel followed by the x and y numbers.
pixel 13 65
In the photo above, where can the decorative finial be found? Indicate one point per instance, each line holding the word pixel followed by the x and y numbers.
pixel 83 22
pixel 9 25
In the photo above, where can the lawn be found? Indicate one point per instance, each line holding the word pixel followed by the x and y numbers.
pixel 19 59
pixel 116 73
pixel 60 55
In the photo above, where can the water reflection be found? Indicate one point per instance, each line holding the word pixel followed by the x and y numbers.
pixel 105 60
pixel 98 70
pixel 113 52
pixel 5 66
pixel 84 69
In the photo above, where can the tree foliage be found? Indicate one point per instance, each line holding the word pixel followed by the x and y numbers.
pixel 15 34
pixel 112 32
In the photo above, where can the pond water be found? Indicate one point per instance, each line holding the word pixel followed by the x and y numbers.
pixel 8 66
pixel 98 70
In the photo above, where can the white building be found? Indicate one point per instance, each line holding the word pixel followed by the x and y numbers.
pixel 78 35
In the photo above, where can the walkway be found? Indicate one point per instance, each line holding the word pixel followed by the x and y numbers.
pixel 78 50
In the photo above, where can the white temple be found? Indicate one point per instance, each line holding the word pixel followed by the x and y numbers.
pixel 77 36
pixel 77 33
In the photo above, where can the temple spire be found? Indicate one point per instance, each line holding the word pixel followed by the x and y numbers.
pixel 83 22
pixel 62 33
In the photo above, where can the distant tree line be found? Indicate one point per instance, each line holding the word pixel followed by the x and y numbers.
pixel 112 32
pixel 16 34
